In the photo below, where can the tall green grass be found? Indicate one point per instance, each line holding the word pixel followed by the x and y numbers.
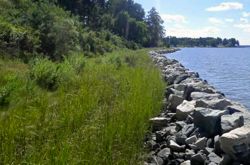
pixel 98 114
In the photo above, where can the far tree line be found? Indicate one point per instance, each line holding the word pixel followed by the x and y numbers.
pixel 201 42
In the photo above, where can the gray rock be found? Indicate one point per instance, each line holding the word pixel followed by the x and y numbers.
pixel 189 154
pixel 174 101
pixel 188 162
pixel 180 87
pixel 180 125
pixel 208 150
pixel 212 163
pixel 159 122
pixel 210 143
pixel 164 153
pixel 184 109
pixel 180 138
pixel 208 120
pixel 188 129
pixel 152 145
pixel 230 122
pixel 201 143
pixel 191 140
pixel 175 147
pixel 235 107
pixel 214 104
pixel 217 148
pixel 158 160
pixel 226 160
pixel 205 96
pixel 236 143
pixel 198 159
pixel 212 157
pixel 180 78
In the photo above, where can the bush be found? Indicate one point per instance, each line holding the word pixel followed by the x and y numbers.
pixel 46 74
pixel 11 84
pixel 17 40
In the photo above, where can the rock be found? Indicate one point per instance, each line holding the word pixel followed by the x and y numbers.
pixel 191 140
pixel 205 96
pixel 152 145
pixel 217 148
pixel 225 160
pixel 180 138
pixel 159 122
pixel 201 143
pixel 188 129
pixel 212 163
pixel 198 159
pixel 210 143
pixel 208 120
pixel 180 78
pixel 189 154
pixel 180 125
pixel 178 155
pixel 236 143
pixel 188 162
pixel 230 122
pixel 164 153
pixel 208 150
pixel 158 161
pixel 184 133
pixel 212 157
pixel 235 107
pixel 180 87
pixel 214 104
pixel 174 101
pixel 189 120
pixel 184 109
pixel 175 147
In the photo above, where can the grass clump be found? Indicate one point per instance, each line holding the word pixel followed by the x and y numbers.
pixel 99 116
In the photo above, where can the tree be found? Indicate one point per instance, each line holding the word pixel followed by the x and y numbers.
pixel 156 29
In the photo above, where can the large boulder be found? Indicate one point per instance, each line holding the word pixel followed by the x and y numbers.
pixel 236 144
pixel 208 120
pixel 185 109
pixel 214 104
pixel 230 122
pixel 205 96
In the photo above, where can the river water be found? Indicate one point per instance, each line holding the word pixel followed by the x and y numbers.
pixel 227 69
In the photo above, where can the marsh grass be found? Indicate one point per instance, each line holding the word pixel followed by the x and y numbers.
pixel 97 116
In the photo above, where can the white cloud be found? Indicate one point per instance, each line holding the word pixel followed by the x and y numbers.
pixel 243 20
pixel 230 20
pixel 194 33
pixel 244 27
pixel 246 14
pixel 226 6
pixel 215 21
pixel 173 18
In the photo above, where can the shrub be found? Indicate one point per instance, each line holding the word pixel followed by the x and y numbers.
pixel 17 40
pixel 76 61
pixel 46 74
pixel 11 84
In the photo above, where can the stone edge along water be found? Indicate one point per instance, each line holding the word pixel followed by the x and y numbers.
pixel 198 124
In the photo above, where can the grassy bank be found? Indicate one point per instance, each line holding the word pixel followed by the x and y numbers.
pixel 80 111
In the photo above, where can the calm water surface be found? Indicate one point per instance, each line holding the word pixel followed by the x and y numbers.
pixel 227 69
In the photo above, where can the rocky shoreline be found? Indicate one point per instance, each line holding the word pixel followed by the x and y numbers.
pixel 198 124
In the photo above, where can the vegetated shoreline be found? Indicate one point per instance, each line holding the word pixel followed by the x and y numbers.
pixel 79 111
pixel 198 124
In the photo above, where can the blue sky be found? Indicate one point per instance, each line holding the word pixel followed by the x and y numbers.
pixel 204 18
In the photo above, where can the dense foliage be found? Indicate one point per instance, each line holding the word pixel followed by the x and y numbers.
pixel 91 111
pixel 55 28
pixel 201 42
